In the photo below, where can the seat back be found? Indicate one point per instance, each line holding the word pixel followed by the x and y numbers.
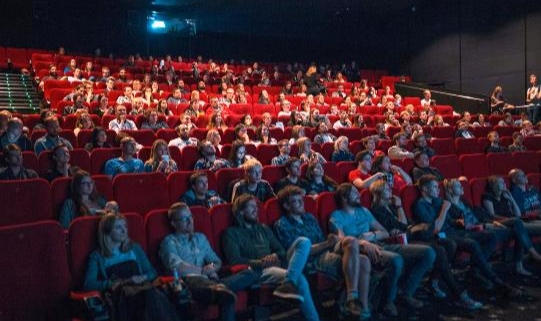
pixel 141 193
pixel 325 205
pixel 100 156
pixel 448 165
pixel 34 272
pixel 474 165
pixel 25 201
pixel 500 163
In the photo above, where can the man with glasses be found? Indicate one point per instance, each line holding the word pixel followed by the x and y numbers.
pixel 285 149
pixel 189 254
pixel 121 122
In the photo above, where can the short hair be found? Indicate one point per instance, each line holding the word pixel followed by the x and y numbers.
pixel 176 207
pixel 290 162
pixel 14 122
pixel 419 136
pixel 516 134
pixel 513 173
pixel 12 147
pixel 196 175
pixel 419 153
pixel 49 120
pixel 240 202
pixel 426 179
pixel 398 135
pixel 126 139
pixel 360 156
pixel 285 193
pixel 251 164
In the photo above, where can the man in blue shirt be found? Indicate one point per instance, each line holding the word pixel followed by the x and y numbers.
pixel 351 219
pixel 126 163
pixel 52 139
pixel 332 256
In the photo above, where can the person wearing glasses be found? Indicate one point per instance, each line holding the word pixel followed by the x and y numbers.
pixel 285 149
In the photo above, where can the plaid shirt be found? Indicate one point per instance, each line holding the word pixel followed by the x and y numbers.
pixel 289 229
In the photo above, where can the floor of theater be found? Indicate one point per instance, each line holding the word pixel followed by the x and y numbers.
pixel 495 308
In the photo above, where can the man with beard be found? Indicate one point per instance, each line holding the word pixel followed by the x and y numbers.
pixel 184 138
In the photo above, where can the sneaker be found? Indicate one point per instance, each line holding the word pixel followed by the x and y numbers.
pixel 390 310
pixel 411 302
pixel 467 302
pixel 222 295
pixel 352 307
pixel 288 291
pixel 436 290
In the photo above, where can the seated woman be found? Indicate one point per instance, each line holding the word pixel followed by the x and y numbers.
pixel 99 140
pixel 297 118
pixel 163 109
pixel 241 133
pixel 119 264
pixel 61 167
pixel 264 98
pixel 341 150
pixel 306 154
pixel 84 201
pixel 395 176
pixel 103 107
pixel 518 143
pixel 262 136
pixel 318 182
pixel 151 121
pixel 159 160
pixel 237 156
pixel 83 122
pixel 481 122
pixel 369 144
pixel 215 138
pixel 217 122
pixel 387 209
pixel 246 120
pixel 501 207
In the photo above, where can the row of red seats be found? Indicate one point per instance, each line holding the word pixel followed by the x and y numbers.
pixel 39 200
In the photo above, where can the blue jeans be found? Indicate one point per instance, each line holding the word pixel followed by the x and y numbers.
pixel 297 255
pixel 418 259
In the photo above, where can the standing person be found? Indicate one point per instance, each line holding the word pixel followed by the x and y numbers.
pixel 498 105
pixel 332 256
pixel 388 210
pixel 310 80
pixel 252 243
pixel 533 97
pixel 351 219
pixel 189 254
pixel 120 266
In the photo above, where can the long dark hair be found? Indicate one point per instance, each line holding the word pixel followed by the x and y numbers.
pixel 326 179
pixel 75 189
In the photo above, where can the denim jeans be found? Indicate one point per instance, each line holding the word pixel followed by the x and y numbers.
pixel 297 255
pixel 417 260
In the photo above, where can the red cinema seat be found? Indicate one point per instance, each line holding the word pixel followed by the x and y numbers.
pixel 533 143
pixel 166 134
pixel 222 218
pixel 104 186
pixel 189 158
pixel 481 131
pixel 141 193
pixel 325 204
pixel 443 146
pixel 352 133
pixel 34 272
pixel 527 161
pixel 474 165
pixel 273 173
pixel 259 109
pixel 409 194
pixel 145 137
pixel 98 158
pixel 274 211
pixel 467 146
pixel 225 178
pixel 443 132
pixel 344 168
pixel 266 152
pixel 83 239
pixel 60 191
pixel 448 165
pixel 30 160
pixel 506 130
pixel 477 187
pixel 534 179
pixel 500 163
pixel 240 109
pixel 25 201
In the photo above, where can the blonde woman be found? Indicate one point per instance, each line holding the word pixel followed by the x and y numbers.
pixel 159 160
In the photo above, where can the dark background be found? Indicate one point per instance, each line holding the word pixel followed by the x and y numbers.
pixel 463 44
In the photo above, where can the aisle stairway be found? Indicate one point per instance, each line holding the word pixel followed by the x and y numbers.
pixel 17 94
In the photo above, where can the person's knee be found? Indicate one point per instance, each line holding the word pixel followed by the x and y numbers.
pixel 429 255
pixel 350 244
pixel 302 244
pixel 397 263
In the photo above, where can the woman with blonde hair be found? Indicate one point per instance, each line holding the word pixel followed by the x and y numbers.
pixel 341 150
pixel 306 154
pixel 159 160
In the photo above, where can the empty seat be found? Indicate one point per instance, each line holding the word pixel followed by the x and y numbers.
pixel 409 194
pixel 500 163
pixel 273 173
pixel 141 192
pixel 266 152
pixel 25 201
pixel 467 146
pixel 448 165
pixel 145 137
pixel 474 165
pixel 443 146
pixel 477 187
pixel 533 143
pixel 34 272
pixel 443 132
pixel 527 161
pixel 98 158
pixel 325 204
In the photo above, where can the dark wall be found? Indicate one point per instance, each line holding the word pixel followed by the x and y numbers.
pixel 473 46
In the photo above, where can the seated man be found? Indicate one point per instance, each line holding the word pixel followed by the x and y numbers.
pixel 14 135
pixel 252 183
pixel 494 146
pixel 431 210
pixel 208 160
pixel 332 256
pixel 15 169
pixel 265 254
pixel 362 176
pixel 526 196
pixel 422 167
pixel 285 149
pixel 188 254
pixel 184 138
pixel 422 146
pixel 121 122
pixel 126 163
pixel 323 135
pixel 199 193
pixel 52 138
pixel 398 150
pixel 293 169
pixel 351 219
pixel 463 131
